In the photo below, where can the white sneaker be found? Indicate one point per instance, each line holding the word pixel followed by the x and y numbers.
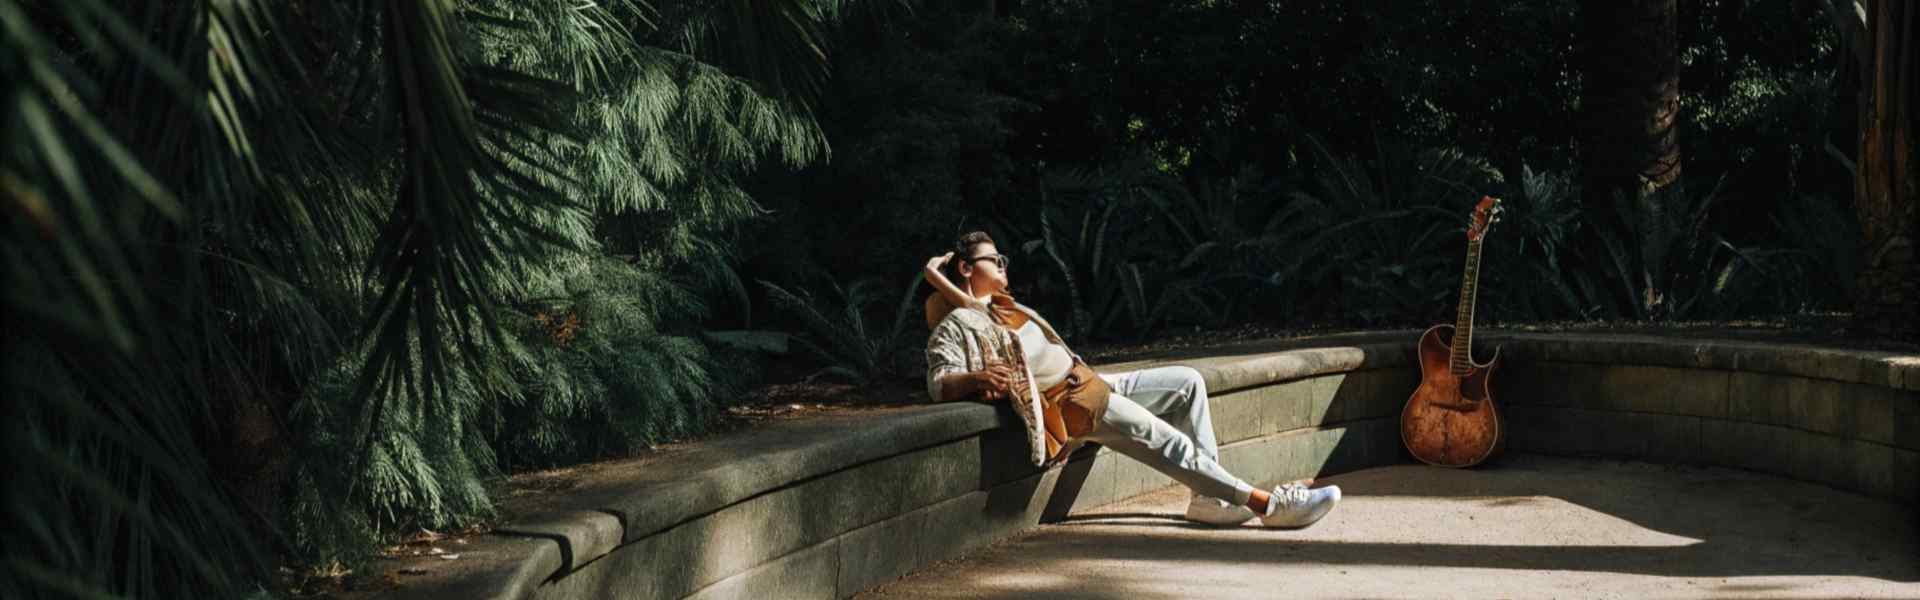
pixel 1217 512
pixel 1293 506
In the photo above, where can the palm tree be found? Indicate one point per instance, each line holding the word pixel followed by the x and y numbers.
pixel 1630 105
pixel 219 211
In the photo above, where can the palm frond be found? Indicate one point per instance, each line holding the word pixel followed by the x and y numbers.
pixel 116 490
pixel 848 345
pixel 453 220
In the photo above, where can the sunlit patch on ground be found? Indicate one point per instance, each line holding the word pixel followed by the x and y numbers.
pixel 1525 526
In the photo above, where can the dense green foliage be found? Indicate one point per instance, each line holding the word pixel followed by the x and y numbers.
pixel 1208 164
pixel 287 278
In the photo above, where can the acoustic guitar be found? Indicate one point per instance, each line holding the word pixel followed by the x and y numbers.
pixel 1451 421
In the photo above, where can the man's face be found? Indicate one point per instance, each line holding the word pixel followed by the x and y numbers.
pixel 985 268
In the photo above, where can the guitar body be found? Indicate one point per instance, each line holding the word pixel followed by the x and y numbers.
pixel 1450 421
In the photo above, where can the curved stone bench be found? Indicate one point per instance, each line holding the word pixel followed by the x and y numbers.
pixel 829 506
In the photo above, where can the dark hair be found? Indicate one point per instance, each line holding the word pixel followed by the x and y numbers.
pixel 963 250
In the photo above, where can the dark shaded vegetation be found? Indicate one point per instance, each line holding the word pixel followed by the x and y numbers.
pixel 290 280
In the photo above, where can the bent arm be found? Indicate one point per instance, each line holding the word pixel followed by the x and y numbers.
pixel 947 289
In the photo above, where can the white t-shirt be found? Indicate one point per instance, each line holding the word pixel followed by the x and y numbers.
pixel 1049 361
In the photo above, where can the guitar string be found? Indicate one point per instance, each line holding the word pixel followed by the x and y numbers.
pixel 1460 357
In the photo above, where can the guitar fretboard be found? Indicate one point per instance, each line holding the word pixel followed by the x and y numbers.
pixel 1461 360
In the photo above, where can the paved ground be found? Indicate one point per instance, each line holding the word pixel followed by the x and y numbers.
pixel 1525 527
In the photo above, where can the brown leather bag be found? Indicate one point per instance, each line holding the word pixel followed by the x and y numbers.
pixel 1072 401
pixel 1068 409
pixel 1067 406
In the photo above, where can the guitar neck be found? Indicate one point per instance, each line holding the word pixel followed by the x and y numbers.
pixel 1461 360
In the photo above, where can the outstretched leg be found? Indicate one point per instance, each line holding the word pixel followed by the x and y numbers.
pixel 1132 430
pixel 1176 394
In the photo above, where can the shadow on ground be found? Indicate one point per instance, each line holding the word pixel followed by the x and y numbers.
pixel 1526 525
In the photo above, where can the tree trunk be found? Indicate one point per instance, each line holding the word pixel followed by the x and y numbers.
pixel 1629 112
pixel 1887 303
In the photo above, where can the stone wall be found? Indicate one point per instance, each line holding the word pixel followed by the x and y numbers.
pixel 829 508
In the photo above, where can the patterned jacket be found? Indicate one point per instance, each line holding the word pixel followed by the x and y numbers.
pixel 966 338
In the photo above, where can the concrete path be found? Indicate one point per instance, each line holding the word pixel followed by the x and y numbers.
pixel 1523 527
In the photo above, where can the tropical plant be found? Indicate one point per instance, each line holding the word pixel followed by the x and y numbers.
pixel 1663 260
pixel 1078 249
pixel 1372 236
pixel 607 364
pixel 1526 279
pixel 193 259
pixel 1121 269
pixel 265 259
pixel 1215 226
pixel 843 336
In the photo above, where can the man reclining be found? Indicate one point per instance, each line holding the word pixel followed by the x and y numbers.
pixel 986 346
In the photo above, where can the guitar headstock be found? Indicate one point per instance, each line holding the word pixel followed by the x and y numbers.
pixel 1485 214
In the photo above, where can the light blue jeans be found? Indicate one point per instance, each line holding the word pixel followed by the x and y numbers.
pixel 1160 417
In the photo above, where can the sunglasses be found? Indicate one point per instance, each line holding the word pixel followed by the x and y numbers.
pixel 999 260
